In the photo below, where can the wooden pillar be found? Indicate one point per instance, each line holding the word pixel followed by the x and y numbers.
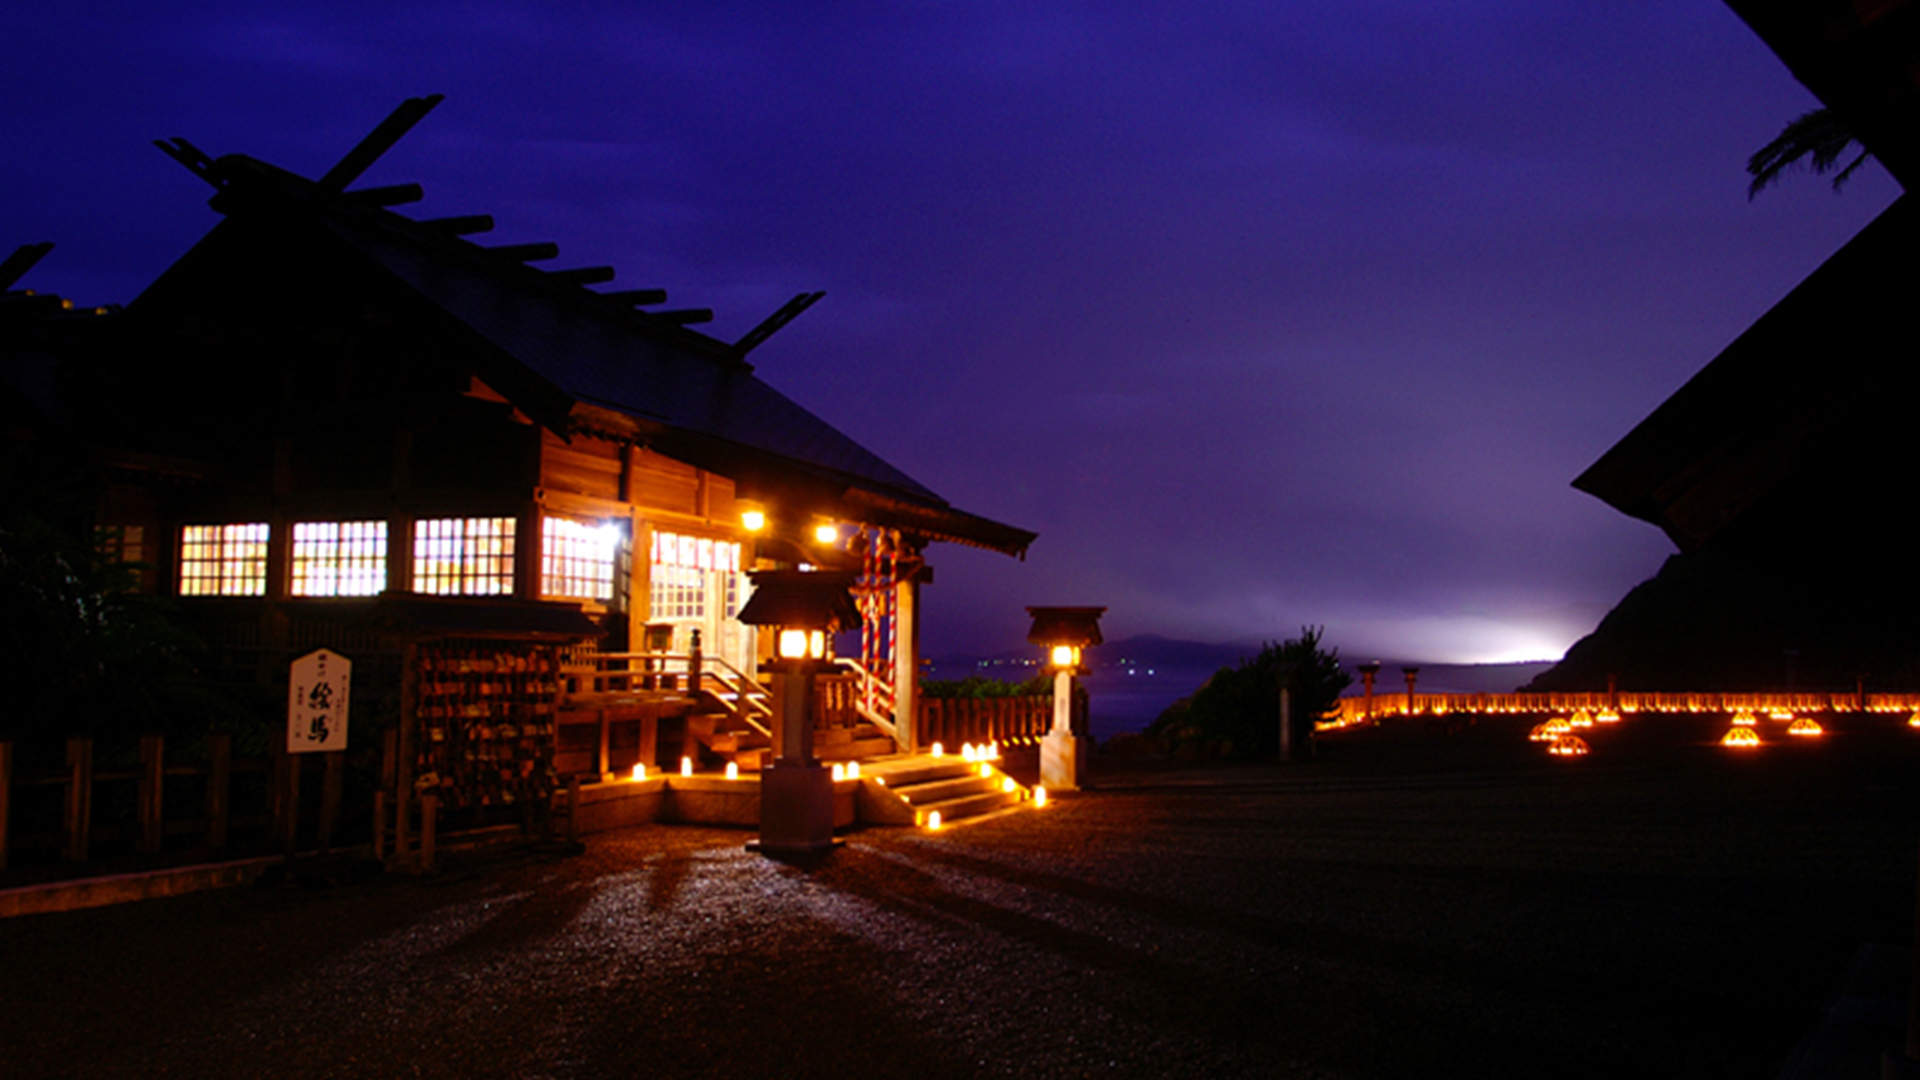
pixel 6 796
pixel 604 763
pixel 429 812
pixel 79 808
pixel 330 786
pixel 286 794
pixel 906 665
pixel 219 788
pixel 152 774
pixel 403 745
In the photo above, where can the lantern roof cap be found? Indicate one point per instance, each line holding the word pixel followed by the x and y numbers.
pixel 802 599
pixel 1078 626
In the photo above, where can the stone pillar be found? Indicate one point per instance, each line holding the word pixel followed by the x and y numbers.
pixel 906 665
pixel 796 792
pixel 1063 755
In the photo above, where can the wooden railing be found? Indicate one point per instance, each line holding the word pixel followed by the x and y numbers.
pixel 869 697
pixel 211 821
pixel 1354 709
pixel 1011 720
pixel 600 675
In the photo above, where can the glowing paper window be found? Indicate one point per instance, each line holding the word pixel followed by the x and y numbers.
pixel 223 560
pixel 576 559
pixel 339 558
pixel 463 556
pixel 684 574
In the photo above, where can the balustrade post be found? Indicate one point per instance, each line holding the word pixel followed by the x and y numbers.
pixel 152 775
pixel 219 786
pixel 79 808
pixel 694 661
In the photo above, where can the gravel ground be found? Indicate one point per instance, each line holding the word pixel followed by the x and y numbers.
pixel 1407 904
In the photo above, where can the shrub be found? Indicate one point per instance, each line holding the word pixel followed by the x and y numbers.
pixel 1236 712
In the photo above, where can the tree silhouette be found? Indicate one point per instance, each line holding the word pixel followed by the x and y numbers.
pixel 1818 136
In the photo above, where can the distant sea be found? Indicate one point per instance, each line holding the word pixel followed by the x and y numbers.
pixel 1133 681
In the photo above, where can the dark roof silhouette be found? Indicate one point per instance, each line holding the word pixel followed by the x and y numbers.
pixel 580 361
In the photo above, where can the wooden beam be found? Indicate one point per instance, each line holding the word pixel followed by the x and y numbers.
pixel 17 264
pixel 636 297
pixel 771 325
pixel 582 275
pixel 536 252
pixel 390 195
pixel 684 316
pixel 378 141
pixel 464 225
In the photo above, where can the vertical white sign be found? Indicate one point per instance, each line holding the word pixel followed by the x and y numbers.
pixel 317 702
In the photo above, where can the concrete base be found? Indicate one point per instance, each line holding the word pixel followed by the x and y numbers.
pixel 1063 761
pixel 796 808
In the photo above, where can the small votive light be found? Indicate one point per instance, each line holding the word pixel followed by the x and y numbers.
pixel 966 751
pixel 1039 795
pixel 938 750
pixel 993 750
pixel 839 771
pixel 686 766
pixel 933 821
pixel 733 770
pixel 639 771
pixel 986 769
pixel 853 770
pixel 1007 785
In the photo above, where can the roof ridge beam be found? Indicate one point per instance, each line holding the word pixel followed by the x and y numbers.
pixel 464 225
pixel 389 195
pixel 634 297
pixel 582 275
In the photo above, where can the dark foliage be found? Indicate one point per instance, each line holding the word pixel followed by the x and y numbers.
pixel 1818 136
pixel 1237 711
pixel 82 653
pixel 979 686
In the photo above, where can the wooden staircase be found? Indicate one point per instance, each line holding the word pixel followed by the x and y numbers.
pixel 915 786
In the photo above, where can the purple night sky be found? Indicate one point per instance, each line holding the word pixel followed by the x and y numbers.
pixel 1259 314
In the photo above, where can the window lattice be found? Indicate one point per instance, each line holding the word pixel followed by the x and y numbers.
pixel 223 560
pixel 339 558
pixel 463 556
pixel 691 575
pixel 576 559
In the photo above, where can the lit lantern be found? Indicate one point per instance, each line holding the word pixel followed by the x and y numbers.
pixel 826 533
pixel 986 769
pixel 753 520
pixel 1806 727
pixel 1743 718
pixel 1740 738
pixel 1783 715
pixel 1039 795
pixel 1007 785
pixel 1568 746
pixel 1606 716
pixel 639 771
pixel 1558 726
pixel 1581 719
pixel 1541 733
pixel 933 821
pixel 1914 720
pixel 733 770
pixel 966 751
pixel 1064 633
pixel 686 766
pixel 853 770
pixel 839 772
pixel 937 750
